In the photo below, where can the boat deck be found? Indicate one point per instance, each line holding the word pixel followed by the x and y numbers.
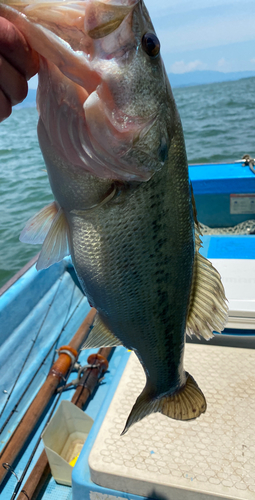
pixel 43 311
pixel 210 457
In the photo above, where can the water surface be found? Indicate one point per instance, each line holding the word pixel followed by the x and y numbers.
pixel 218 125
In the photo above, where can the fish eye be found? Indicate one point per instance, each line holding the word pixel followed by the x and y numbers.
pixel 151 44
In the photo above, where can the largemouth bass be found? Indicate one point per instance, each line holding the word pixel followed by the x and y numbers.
pixel 113 144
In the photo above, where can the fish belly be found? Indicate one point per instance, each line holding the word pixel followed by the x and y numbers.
pixel 134 258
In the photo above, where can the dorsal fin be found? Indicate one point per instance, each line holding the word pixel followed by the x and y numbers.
pixel 194 208
pixel 100 336
pixel 208 310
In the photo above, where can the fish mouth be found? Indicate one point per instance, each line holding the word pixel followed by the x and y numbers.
pixel 112 132
pixel 103 18
pixel 95 18
pixel 89 42
pixel 93 29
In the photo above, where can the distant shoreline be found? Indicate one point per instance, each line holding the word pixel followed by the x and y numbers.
pixel 195 78
pixel 191 79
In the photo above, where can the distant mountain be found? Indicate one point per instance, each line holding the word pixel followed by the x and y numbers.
pixel 30 101
pixel 176 80
pixel 204 77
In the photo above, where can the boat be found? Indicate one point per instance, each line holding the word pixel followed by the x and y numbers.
pixel 43 312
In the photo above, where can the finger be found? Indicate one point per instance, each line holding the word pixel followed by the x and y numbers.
pixel 12 83
pixel 5 106
pixel 15 49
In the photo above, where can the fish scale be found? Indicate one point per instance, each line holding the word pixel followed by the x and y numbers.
pixel 113 145
pixel 135 262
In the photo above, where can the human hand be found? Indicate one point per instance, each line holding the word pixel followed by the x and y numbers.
pixel 18 63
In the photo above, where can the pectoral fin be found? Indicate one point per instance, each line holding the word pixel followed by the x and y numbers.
pixel 36 228
pixel 49 226
pixel 100 336
pixel 56 245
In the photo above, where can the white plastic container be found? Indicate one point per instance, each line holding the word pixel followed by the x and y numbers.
pixel 64 438
pixel 238 277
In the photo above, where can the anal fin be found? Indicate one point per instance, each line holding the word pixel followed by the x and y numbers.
pixel 186 404
pixel 100 336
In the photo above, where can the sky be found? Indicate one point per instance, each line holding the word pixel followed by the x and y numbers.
pixel 205 34
pixel 216 35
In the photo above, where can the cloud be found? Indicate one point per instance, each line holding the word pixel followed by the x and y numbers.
pixel 253 60
pixel 209 34
pixel 185 7
pixel 182 67
pixel 204 27
pixel 223 65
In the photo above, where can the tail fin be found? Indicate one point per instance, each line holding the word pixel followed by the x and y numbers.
pixel 186 404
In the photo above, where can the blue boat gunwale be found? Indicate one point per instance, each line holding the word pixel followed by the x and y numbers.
pixel 213 245
pixel 219 178
pixel 19 274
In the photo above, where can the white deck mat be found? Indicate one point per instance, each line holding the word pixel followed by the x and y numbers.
pixel 208 458
pixel 238 277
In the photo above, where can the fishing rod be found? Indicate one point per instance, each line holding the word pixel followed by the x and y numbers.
pixel 57 373
pixel 9 467
pixel 41 473
pixel 41 364
pixel 28 354
pixel 4 289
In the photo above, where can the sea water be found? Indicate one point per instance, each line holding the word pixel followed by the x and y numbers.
pixel 218 121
